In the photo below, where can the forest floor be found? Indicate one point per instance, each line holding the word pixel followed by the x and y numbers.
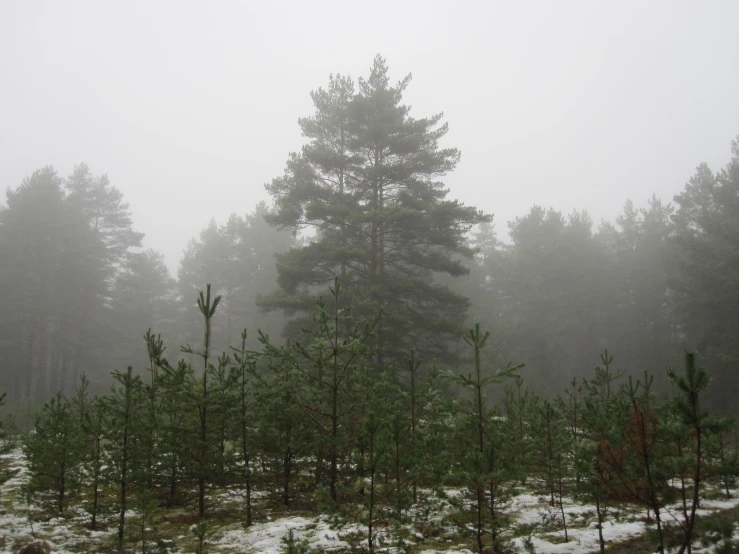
pixel 431 527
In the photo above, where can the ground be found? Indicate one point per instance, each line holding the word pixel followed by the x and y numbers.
pixel 430 528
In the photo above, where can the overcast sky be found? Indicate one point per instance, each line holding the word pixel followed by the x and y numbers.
pixel 191 107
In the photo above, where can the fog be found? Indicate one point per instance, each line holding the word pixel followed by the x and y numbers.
pixel 190 108
pixel 426 275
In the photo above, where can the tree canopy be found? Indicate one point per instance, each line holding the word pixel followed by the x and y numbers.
pixel 368 185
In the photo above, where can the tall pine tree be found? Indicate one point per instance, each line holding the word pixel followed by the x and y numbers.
pixel 368 184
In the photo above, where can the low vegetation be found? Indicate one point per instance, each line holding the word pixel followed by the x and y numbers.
pixel 312 446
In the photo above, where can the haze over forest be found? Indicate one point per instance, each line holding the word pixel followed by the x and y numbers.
pixel 562 113
pixel 573 105
pixel 307 276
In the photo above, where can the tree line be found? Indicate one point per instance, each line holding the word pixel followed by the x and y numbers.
pixel 364 201
pixel 79 288
pixel 657 281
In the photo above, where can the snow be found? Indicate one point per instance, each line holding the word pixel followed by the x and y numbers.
pixel 57 532
pixel 464 551
pixel 322 533
pixel 267 537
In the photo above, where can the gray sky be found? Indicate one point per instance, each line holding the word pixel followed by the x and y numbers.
pixel 191 107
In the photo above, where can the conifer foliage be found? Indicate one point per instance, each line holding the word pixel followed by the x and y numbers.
pixel 54 451
pixel 362 411
pixel 367 184
pixel 312 422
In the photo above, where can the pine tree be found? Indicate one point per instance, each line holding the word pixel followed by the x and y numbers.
pixel 367 184
pixel 728 460
pixel 151 417
pixel 438 428
pixel 642 437
pixel 209 259
pixel 174 437
pixel 146 504
pixel 143 297
pixel 224 404
pixel 550 303
pixel 412 364
pixel 603 404
pixel 46 263
pixel 694 417
pixel 62 242
pixel 124 406
pixel 551 443
pixel 110 237
pixel 643 323
pixel 317 189
pixel 285 432
pixel 520 404
pixel 239 258
pixel 706 263
pixel 477 459
pixel 203 456
pixel 570 407
pixel 327 371
pixel 55 450
pixel 373 426
pixel 246 361
pixel 501 462
pixel 96 431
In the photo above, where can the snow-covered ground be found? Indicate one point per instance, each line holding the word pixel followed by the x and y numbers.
pixel 268 537
pixel 538 524
pixel 15 524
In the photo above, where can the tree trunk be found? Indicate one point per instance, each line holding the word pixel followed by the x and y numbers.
pixel 287 470
pixel 696 486
pixel 96 482
pixel 61 488
pixel 601 542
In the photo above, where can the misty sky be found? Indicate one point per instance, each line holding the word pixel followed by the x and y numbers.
pixel 190 108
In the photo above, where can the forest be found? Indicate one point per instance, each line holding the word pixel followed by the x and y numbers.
pixel 370 363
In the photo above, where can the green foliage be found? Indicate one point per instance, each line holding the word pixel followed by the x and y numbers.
pixel 374 433
pixel 325 379
pixel 552 454
pixel 438 428
pixel 346 400
pixel 55 450
pixel 692 384
pixel 520 404
pixel 6 445
pixel 718 532
pixel 603 444
pixel 205 450
pixel 707 259
pixel 200 530
pixel 96 431
pixel 143 298
pixel 76 235
pixel 4 434
pixel 298 418
pixel 293 545
pixel 480 462
pixel 146 504
pixel 124 406
pixel 695 419
pixel 367 183
pixel 528 545
pixel 718 447
pixel 240 257
pixel 244 375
